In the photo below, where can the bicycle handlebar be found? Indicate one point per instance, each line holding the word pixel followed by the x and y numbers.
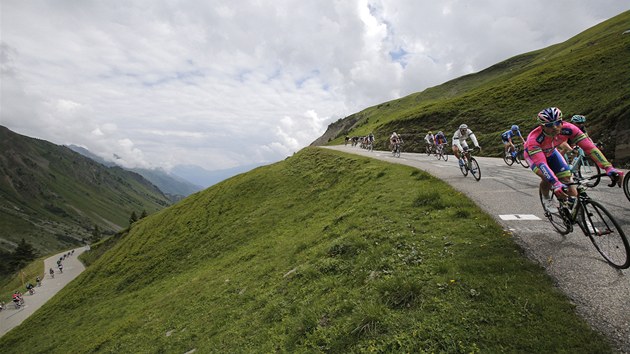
pixel 613 181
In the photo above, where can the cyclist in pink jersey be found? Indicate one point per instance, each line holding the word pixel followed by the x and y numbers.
pixel 547 162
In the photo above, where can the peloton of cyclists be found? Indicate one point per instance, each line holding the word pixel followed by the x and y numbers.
pixel 459 141
pixel 508 143
pixel 547 162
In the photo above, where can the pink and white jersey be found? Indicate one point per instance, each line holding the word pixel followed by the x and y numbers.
pixel 539 146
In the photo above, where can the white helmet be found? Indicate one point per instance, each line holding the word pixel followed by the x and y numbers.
pixel 463 126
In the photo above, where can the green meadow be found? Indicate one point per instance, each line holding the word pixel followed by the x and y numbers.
pixel 322 252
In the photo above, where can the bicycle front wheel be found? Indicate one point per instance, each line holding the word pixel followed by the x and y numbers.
pixel 626 185
pixel 588 169
pixel 445 157
pixel 554 213
pixel 474 169
pixel 604 231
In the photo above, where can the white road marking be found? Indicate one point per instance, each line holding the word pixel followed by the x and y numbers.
pixel 519 217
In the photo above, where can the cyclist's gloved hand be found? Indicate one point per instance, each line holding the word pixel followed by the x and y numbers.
pixel 615 175
pixel 558 190
pixel 478 147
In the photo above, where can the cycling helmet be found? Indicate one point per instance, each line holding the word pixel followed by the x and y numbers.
pixel 515 127
pixel 440 133
pixel 549 115
pixel 578 118
pixel 463 126
pixel 429 132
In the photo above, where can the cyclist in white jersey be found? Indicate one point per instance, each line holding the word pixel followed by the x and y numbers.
pixel 459 141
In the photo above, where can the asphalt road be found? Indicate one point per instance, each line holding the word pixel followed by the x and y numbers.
pixel 72 267
pixel 600 292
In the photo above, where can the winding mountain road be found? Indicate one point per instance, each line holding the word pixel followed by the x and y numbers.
pixel 600 292
pixel 72 267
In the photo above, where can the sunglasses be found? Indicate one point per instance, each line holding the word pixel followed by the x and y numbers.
pixel 553 124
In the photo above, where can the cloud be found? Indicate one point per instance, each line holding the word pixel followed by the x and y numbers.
pixel 220 84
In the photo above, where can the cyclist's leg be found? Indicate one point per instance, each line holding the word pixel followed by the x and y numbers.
pixel 561 169
pixel 456 151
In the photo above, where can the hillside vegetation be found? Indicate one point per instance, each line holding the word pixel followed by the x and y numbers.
pixel 53 197
pixel 587 74
pixel 323 252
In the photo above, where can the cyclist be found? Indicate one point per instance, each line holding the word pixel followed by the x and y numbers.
pixel 393 140
pixel 459 141
pixel 371 140
pixel 507 137
pixel 547 162
pixel 52 273
pixel 430 140
pixel 440 139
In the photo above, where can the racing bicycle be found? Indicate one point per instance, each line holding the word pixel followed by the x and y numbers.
pixel 397 149
pixel 518 156
pixel 593 219
pixel 470 164
pixel 441 153
pixel 583 167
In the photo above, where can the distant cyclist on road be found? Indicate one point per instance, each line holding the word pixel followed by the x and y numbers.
pixel 547 162
pixel 507 138
pixel 440 139
pixel 429 139
pixel 459 141
pixel 393 140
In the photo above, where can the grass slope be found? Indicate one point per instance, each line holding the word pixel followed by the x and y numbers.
pixel 587 74
pixel 52 197
pixel 322 252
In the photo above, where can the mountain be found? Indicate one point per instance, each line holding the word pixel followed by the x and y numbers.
pixel 176 188
pixel 53 197
pixel 322 252
pixel 206 178
pixel 587 74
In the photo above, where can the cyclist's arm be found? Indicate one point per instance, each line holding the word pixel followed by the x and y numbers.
pixel 474 139
pixel 582 140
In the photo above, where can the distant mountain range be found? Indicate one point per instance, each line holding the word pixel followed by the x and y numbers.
pixel 173 186
pixel 54 197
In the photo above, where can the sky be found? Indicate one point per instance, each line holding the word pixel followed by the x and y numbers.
pixel 221 84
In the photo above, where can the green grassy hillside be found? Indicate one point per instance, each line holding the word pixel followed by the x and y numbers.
pixel 53 197
pixel 588 74
pixel 323 252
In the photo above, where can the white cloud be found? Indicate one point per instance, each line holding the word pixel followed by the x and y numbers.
pixel 222 83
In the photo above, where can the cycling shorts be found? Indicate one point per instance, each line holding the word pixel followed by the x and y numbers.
pixel 557 164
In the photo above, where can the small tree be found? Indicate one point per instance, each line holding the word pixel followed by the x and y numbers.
pixel 133 218
pixel 144 214
pixel 96 233
pixel 23 254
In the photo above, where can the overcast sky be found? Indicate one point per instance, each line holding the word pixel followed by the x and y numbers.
pixel 221 84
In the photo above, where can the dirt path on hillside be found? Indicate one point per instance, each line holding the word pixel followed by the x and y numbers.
pixel 72 267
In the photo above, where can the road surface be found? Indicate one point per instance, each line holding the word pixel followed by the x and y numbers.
pixel 72 267
pixel 600 292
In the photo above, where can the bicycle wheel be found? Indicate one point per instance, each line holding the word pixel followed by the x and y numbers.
pixel 474 169
pixel 521 159
pixel 605 233
pixel 463 168
pixel 587 169
pixel 626 185
pixel 555 216
pixel 397 151
pixel 508 160
pixel 445 157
